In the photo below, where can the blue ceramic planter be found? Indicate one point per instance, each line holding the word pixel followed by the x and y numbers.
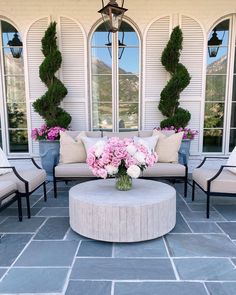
pixel 184 151
pixel 49 153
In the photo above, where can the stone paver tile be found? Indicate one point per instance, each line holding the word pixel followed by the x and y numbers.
pixel 52 202
pixel 160 288
pixel 204 227
pixel 221 288
pixel 2 272
pixel 88 288
pixel 154 248
pixel 54 228
pixel 95 249
pixel 12 225
pixel 228 211
pixel 48 253
pixel 200 245
pixel 180 226
pixel 234 261
pixel 201 216
pixel 34 280
pixel 11 246
pixel 33 200
pixel 74 236
pixel 54 212
pixel 229 228
pixel 122 269
pixel 199 207
pixel 206 269
pixel 14 212
pixel 2 218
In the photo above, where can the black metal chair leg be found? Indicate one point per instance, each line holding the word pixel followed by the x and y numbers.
pixel 55 187
pixel 208 205
pixel 45 192
pixel 193 191
pixel 19 208
pixel 28 206
pixel 185 187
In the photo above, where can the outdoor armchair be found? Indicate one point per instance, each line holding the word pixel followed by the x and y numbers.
pixel 214 182
pixel 26 181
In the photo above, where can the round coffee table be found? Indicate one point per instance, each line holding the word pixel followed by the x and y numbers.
pixel 101 212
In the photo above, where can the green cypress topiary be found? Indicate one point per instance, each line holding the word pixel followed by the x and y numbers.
pixel 180 78
pixel 47 106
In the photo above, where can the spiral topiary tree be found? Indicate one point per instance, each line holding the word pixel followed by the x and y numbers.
pixel 179 80
pixel 47 106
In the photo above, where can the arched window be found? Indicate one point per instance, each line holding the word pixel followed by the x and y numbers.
pixel 13 137
pixel 220 96
pixel 115 79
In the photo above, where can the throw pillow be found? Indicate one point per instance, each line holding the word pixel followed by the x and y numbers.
pixel 149 142
pixel 232 161
pixel 168 146
pixel 71 150
pixel 91 141
pixel 4 163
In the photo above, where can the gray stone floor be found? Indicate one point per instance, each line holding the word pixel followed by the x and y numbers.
pixel 42 255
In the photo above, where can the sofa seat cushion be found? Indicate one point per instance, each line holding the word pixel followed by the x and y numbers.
pixel 35 177
pixel 224 183
pixel 7 187
pixel 73 170
pixel 165 170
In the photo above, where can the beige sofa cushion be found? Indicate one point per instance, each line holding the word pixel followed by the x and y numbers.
pixel 224 183
pixel 74 134
pixel 168 146
pixel 7 187
pixel 73 170
pixel 165 170
pixel 35 177
pixel 127 134
pixel 71 150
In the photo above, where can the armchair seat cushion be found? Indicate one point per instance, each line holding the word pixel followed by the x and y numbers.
pixel 224 183
pixel 35 177
pixel 7 187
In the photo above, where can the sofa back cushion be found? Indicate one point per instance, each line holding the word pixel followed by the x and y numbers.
pixel 74 134
pixel 4 163
pixel 127 134
pixel 168 146
pixel 71 149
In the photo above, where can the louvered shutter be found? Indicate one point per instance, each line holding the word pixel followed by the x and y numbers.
pixel 34 59
pixel 155 76
pixel 74 74
pixel 192 57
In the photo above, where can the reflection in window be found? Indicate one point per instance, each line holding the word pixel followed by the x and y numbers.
pixel 14 101
pixel 215 92
pixel 115 81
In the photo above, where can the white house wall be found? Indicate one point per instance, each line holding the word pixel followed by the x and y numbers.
pixel 154 18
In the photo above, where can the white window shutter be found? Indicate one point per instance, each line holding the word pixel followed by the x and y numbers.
pixel 155 75
pixel 74 72
pixel 34 59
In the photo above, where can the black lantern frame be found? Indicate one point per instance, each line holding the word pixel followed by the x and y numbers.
pixel 121 45
pixel 214 44
pixel 112 15
pixel 15 46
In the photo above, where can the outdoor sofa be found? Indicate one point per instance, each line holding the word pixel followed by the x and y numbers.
pixel 80 170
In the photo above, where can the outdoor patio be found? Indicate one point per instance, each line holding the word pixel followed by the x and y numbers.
pixel 43 255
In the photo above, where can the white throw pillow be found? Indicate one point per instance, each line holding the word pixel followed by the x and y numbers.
pixel 71 150
pixel 232 161
pixel 168 146
pixel 89 142
pixel 149 142
pixel 4 163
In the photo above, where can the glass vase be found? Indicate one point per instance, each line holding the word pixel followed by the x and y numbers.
pixel 123 182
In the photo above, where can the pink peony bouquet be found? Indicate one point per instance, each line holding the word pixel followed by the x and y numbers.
pixel 188 133
pixel 45 133
pixel 117 157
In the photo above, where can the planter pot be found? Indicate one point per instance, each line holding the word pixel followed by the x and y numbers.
pixel 49 153
pixel 184 151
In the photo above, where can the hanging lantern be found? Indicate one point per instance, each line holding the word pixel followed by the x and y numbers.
pixel 121 45
pixel 112 15
pixel 214 44
pixel 15 46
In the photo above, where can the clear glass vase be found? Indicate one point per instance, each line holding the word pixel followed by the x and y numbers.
pixel 123 182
